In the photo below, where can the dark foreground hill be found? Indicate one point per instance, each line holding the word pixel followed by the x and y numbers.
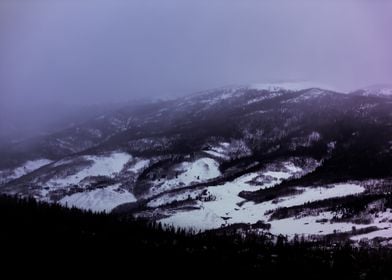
pixel 40 237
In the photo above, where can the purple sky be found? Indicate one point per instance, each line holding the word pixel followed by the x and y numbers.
pixel 92 51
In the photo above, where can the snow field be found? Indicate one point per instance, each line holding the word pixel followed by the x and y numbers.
pixel 99 200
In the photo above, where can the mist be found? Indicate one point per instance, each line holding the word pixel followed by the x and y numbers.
pixel 56 56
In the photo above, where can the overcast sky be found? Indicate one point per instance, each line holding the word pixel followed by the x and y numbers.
pixel 92 51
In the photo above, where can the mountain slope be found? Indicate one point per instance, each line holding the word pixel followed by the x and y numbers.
pixel 229 156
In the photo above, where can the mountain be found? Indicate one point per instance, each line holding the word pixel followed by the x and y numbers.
pixel 382 90
pixel 276 158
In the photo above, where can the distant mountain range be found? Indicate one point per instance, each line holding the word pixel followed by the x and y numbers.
pixel 376 90
pixel 277 158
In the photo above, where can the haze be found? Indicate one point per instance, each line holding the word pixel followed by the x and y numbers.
pixel 57 55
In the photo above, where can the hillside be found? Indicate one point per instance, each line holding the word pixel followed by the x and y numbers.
pixel 302 161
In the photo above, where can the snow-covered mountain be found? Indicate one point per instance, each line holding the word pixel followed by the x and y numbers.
pixel 277 158
pixel 382 90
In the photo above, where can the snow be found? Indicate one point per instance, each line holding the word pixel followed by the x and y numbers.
pixel 139 165
pixel 99 200
pixel 219 94
pixel 30 166
pixel 308 95
pixel 216 154
pixel 288 86
pixel 225 150
pixel 292 168
pixel 219 151
pixel 289 169
pixel 378 90
pixel 198 171
pixel 226 96
pixel 100 166
pixel 310 225
pixel 221 148
pixel 27 167
pixel 210 214
pixel 382 233
pixel 264 97
pixel 383 220
pixel 319 193
pixel 228 208
pixel 225 144
pixel 61 162
pixel 278 174
pixel 167 199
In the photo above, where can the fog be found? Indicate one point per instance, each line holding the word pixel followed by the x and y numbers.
pixel 56 56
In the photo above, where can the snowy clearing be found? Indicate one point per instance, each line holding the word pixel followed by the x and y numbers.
pixel 100 166
pixel 219 151
pixel 27 167
pixel 211 213
pixel 310 225
pixel 216 154
pixel 98 200
pixel 382 220
pixel 190 172
pixel 139 165
pixel 319 193
pixel 228 208
pixel 167 199
pixel 226 150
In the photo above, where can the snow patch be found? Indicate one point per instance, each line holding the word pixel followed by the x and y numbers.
pixel 225 150
pixel 377 90
pixel 382 220
pixel 191 172
pixel 382 233
pixel 30 166
pixel 310 225
pixel 139 165
pixel 216 154
pixel 321 193
pixel 27 167
pixel 99 200
pixel 100 166
pixel 219 151
pixel 167 199
pixel 199 170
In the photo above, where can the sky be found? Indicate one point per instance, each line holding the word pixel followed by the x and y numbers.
pixel 55 54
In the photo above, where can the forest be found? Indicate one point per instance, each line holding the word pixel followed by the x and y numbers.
pixel 46 236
